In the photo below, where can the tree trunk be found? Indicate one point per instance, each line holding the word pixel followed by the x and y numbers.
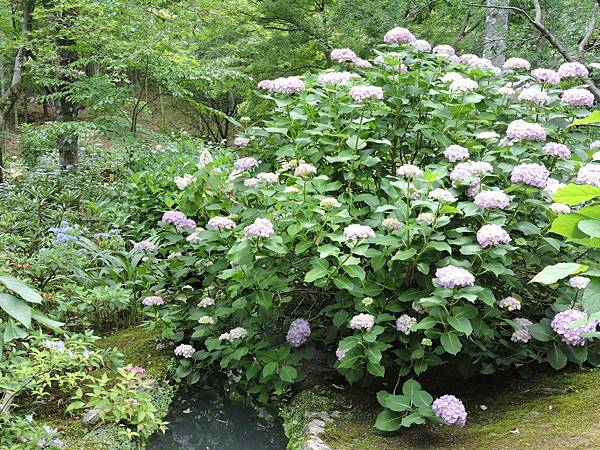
pixel 67 140
pixel 496 31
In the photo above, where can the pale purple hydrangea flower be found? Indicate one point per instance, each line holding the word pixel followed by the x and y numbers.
pixel 487 135
pixel 245 164
pixel 594 145
pixel 552 186
pixel 579 282
pixel 555 149
pixel 589 174
pixel 446 50
pixel 506 90
pixel 560 208
pixel 455 153
pixel 303 170
pixel 467 169
pixel 573 336
pixel 442 195
pixel 510 303
pixel 221 223
pixel 343 55
pixel 287 85
pixel 475 61
pixel 451 410
pixel 251 182
pixel 520 130
pixel 144 245
pixel 362 322
pixel 451 77
pixel 421 45
pixel 463 85
pixel 334 77
pixel 391 223
pixel 534 95
pixel 362 92
pixel 531 174
pixel 577 97
pixel 178 219
pixel 492 199
pixel 491 234
pixel 268 177
pixel 340 354
pixel 451 277
pixel 399 36
pixel 355 232
pixel 546 76
pixel 521 334
pixel 185 350
pixel 409 171
pixel 241 141
pixel 404 323
pixel 298 332
pixel 153 300
pixel 260 228
pixel 572 69
pixel 516 64
pixel 362 63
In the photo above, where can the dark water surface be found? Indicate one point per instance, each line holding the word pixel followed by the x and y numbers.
pixel 207 420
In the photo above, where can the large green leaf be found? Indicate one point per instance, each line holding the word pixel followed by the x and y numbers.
pixel 591 297
pixel 591 227
pixel 461 324
pixel 572 194
pixel 19 287
pixel 410 387
pixel 450 342
pixel 551 274
pixel 388 420
pixel 288 373
pixel 592 118
pixel 398 403
pixel 16 308
pixel 557 358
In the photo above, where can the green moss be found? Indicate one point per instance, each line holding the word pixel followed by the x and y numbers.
pixel 548 411
pixel 139 349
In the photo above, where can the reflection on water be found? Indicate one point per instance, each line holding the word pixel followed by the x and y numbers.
pixel 207 420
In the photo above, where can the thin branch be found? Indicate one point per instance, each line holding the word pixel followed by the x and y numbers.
pixel 588 34
pixel 538 11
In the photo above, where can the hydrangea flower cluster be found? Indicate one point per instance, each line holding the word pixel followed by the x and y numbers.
pixel 362 92
pixel 451 410
pixel 241 141
pixel 509 303
pixel 577 97
pixel 399 36
pixel 558 150
pixel 206 302
pixel 589 174
pixel 546 76
pixel 144 245
pixel 572 69
pixel 185 350
pixel 409 171
pixel 442 195
pixel 362 322
pixel 560 208
pixel 492 199
pixel 451 77
pixel 421 45
pixel 487 135
pixel 234 334
pixel 245 164
pixel 63 233
pixel 573 336
pixel 445 50
pixel 287 85
pixel 343 55
pixel 531 174
pixel 153 300
pixel 298 332
pixel 404 323
pixel 178 219
pixel 262 228
pixel 303 170
pixel 268 177
pixel 520 130
pixel 491 234
pixel 362 63
pixel 463 85
pixel 334 77
pixel 329 203
pixel 427 218
pixel 467 169
pixel 534 95
pixel 579 282
pixel 516 64
pixel 184 181
pixel 355 232
pixel 455 153
pixel 220 223
pixel 391 223
pixel 521 334
pixel 452 277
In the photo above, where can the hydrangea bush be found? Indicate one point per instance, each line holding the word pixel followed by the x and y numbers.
pixel 389 216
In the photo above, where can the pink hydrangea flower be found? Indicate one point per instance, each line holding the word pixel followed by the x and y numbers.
pixel 185 350
pixel 362 322
pixel 144 245
pixel 178 219
pixel 572 69
pixel 241 141
pixel 491 234
pixel 334 77
pixel 446 50
pixel 559 150
pixel 343 55
pixel 451 410
pixel 589 174
pixel 455 153
pixel 245 164
pixel 442 195
pixel 452 277
pixel 362 63
pixel 516 64
pixel 520 130
pixel 531 174
pixel 577 97
pixel 546 76
pixel 421 45
pixel 492 199
pixel 573 336
pixel 303 170
pixel 260 228
pixel 534 95
pixel 153 300
pixel 579 282
pixel 521 334
pixel 399 36
pixel 221 223
pixel 362 92
pixel 355 232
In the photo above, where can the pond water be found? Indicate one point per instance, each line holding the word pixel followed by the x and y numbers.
pixel 208 420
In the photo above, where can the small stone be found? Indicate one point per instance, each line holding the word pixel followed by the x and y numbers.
pixel 315 427
pixel 91 417
pixel 515 431
pixel 483 407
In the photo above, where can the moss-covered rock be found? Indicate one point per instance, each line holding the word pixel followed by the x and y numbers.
pixel 139 349
pixel 546 411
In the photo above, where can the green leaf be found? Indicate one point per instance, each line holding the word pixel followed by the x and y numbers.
pixel 398 403
pixel 566 225
pixel 403 255
pixel 315 274
pixel 355 272
pixel 450 342
pixel 288 374
pixel 410 387
pixel 551 274
pixel 19 287
pixel 388 420
pixel 40 318
pixel 556 358
pixel 572 194
pixel 541 332
pixel 422 398
pixel 16 308
pixel 591 297
pixel 460 324
pixel 375 369
pixel 592 118
pixel 591 227
pixel 269 369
